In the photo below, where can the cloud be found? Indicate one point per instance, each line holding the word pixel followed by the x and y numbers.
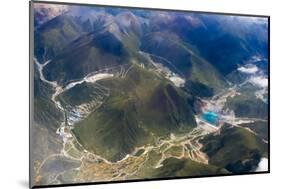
pixel 45 12
pixel 179 82
pixel 259 81
pixel 248 69
pixel 243 26
pixel 263 165
pixel 194 21
pixel 249 19
pixel 51 10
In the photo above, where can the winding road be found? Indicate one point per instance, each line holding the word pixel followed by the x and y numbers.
pixel 100 168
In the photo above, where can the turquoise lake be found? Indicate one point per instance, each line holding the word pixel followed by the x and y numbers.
pixel 210 117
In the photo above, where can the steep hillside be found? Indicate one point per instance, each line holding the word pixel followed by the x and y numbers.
pixel 51 37
pixel 124 93
pixel 91 52
pixel 173 167
pixel 139 106
pixel 180 57
pixel 235 149
pixel 216 39
pixel 47 118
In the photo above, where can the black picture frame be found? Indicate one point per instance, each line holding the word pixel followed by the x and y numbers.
pixel 31 48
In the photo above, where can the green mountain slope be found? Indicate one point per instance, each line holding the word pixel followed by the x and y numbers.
pixel 246 104
pixel 259 127
pixel 139 105
pixel 81 93
pixel 173 167
pixel 45 111
pixel 54 35
pixel 167 45
pixel 47 118
pixel 91 52
pixel 168 49
pixel 235 149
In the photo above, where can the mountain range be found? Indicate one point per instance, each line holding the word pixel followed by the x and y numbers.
pixel 126 87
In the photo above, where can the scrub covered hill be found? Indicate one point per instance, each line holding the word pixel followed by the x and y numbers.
pixel 173 167
pixel 235 149
pixel 140 106
pixel 54 35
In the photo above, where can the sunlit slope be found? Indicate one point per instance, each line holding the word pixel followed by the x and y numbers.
pixel 140 106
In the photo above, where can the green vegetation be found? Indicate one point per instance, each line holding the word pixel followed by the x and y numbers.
pixel 112 131
pixel 47 118
pixel 147 169
pixel 91 52
pixel 199 89
pixel 168 45
pixel 45 112
pixel 210 80
pixel 247 105
pixel 140 108
pixel 81 93
pixel 183 57
pixel 185 167
pixel 53 36
pixel 79 59
pixel 173 167
pixel 259 127
pixel 139 152
pixel 235 149
pixel 174 151
pixel 138 105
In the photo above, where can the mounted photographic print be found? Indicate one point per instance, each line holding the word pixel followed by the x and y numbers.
pixel 120 94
